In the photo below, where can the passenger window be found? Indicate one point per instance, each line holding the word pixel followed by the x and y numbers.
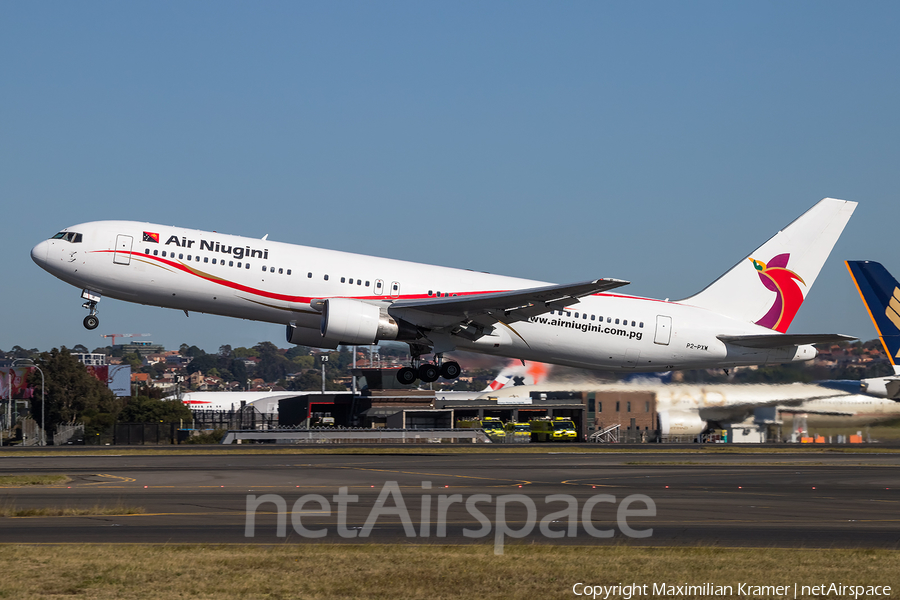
pixel 326 278
pixel 230 263
pixel 584 316
pixel 309 275
pixel 189 257
pixel 264 268
pixel 280 271
pixel 180 256
pixel 642 324
pixel 568 314
pixel 206 259
pixel 239 265
pixel 156 253
pixel 343 279
pixel 632 323
pixel 358 281
pixel 164 253
pixel 617 321
pixel 147 251
pixel 609 320
pixel 288 271
pixel 247 266
pixel 576 315
pixel 367 284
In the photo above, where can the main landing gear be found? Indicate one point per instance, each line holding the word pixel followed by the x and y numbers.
pixel 428 372
pixel 92 320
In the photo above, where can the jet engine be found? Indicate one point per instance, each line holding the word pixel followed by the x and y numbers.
pixel 355 322
pixel 688 422
pixel 307 336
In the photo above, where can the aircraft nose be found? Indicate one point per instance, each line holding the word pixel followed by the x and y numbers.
pixel 39 253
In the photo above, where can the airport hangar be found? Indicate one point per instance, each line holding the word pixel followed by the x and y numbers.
pixel 384 403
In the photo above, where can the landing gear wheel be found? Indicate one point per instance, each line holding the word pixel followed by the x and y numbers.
pixel 406 376
pixel 429 372
pixel 91 322
pixel 450 370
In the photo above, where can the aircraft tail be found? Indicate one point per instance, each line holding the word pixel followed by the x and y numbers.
pixel 531 373
pixel 769 285
pixel 880 293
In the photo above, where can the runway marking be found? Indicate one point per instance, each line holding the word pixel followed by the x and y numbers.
pixel 514 481
pixel 112 477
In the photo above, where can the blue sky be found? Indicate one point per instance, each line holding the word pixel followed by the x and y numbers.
pixel 657 142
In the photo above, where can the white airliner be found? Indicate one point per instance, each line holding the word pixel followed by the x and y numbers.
pixel 327 298
pixel 689 409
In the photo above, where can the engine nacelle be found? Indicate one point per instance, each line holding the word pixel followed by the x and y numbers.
pixel 676 422
pixel 881 387
pixel 355 322
pixel 306 336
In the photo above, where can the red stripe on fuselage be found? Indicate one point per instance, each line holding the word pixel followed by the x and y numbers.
pixel 307 299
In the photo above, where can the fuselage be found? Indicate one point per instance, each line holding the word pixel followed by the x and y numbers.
pixel 264 280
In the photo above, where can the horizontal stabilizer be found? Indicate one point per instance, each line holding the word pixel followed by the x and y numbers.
pixel 781 340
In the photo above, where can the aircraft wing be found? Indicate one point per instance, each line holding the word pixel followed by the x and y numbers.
pixel 780 340
pixel 739 411
pixel 487 309
pixel 807 411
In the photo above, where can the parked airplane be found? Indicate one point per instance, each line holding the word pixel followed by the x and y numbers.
pixel 514 374
pixel 880 292
pixel 327 298
pixel 691 409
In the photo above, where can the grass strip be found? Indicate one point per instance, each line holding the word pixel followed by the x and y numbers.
pixel 10 510
pixel 25 480
pixel 318 571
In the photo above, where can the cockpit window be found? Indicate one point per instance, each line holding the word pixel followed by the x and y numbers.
pixel 69 236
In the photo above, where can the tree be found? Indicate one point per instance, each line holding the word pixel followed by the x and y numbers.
pixel 73 395
pixel 142 409
pixel 273 365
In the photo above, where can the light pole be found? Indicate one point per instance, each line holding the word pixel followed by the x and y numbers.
pixel 30 363
pixel 324 358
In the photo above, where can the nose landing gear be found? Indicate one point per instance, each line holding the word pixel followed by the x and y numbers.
pixel 91 321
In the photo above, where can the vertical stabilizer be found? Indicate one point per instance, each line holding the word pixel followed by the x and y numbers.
pixel 880 293
pixel 768 286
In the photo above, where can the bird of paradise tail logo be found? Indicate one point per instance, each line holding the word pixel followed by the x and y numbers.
pixel 788 296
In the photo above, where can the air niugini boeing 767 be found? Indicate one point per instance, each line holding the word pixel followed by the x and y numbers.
pixel 326 298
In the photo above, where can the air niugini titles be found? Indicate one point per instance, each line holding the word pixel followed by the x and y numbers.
pixel 238 252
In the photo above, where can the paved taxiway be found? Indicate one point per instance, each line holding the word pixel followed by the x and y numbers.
pixel 764 500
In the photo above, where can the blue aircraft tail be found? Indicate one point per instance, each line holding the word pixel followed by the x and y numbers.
pixel 881 294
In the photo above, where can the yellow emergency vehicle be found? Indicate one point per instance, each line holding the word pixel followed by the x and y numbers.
pixel 518 432
pixel 492 426
pixel 558 429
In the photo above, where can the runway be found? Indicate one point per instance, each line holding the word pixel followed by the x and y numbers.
pixel 756 500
